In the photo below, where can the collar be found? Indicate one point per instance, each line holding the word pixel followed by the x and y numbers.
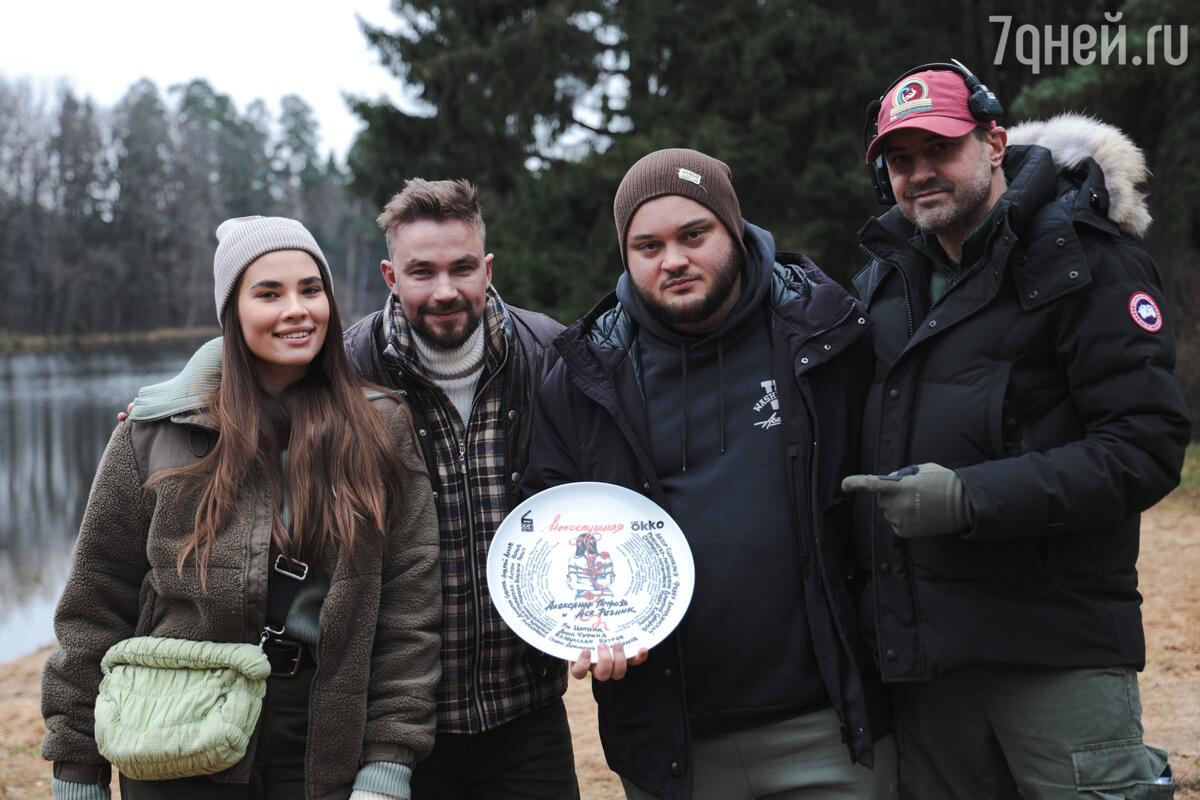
pixel 199 417
pixel 401 344
pixel 974 246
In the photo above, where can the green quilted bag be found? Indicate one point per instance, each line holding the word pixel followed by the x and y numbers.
pixel 172 708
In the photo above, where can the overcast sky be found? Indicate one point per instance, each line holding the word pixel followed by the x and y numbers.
pixel 248 49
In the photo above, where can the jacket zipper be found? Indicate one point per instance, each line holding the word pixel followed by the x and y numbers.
pixel 822 579
pixel 903 279
pixel 476 595
pixel 832 325
pixel 815 520
pixel 962 275
pixel 813 471
pixel 883 668
pixel 684 751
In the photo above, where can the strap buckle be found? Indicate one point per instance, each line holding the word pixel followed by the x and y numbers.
pixel 275 650
pixel 284 566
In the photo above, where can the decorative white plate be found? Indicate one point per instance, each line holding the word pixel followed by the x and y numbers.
pixel 585 563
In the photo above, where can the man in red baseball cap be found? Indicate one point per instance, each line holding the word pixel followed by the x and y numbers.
pixel 943 163
pixel 1022 414
pixel 935 100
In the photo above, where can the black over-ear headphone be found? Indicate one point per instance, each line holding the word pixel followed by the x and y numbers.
pixel 982 103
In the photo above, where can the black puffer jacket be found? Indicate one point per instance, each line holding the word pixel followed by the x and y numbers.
pixel 533 354
pixel 591 426
pixel 1044 378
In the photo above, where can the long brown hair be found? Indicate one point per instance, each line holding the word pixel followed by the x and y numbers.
pixel 339 462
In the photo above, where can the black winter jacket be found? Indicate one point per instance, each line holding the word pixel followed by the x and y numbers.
pixel 1044 378
pixel 528 363
pixel 591 426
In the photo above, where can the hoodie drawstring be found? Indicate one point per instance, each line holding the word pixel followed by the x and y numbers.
pixel 683 352
pixel 721 389
pixel 684 357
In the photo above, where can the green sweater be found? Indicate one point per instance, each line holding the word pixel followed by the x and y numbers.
pixel 945 272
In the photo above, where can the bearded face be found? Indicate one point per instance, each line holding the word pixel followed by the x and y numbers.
pixel 942 185
pixel 683 264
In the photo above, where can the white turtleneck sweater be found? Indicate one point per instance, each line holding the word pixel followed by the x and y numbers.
pixel 456 372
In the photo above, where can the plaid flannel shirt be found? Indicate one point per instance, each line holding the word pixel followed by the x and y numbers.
pixel 489 676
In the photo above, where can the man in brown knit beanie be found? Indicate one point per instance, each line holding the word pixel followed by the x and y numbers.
pixel 682 172
pixel 722 379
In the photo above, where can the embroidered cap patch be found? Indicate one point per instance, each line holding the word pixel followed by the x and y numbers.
pixel 1145 312
pixel 688 175
pixel 911 97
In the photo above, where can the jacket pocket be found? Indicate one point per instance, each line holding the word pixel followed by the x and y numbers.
pixel 1014 438
pixel 541 666
pixel 960 422
pixel 1122 769
pixel 1001 422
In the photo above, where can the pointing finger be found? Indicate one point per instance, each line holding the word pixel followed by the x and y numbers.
pixel 862 483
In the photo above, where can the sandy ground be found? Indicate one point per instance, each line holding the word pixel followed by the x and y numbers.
pixel 1169 564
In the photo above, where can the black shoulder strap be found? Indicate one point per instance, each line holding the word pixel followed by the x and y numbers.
pixel 283 583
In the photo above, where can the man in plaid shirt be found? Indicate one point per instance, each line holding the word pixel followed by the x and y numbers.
pixel 469 365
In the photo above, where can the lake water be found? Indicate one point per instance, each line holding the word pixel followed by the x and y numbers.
pixel 57 411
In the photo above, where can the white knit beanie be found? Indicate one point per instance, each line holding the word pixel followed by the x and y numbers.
pixel 243 239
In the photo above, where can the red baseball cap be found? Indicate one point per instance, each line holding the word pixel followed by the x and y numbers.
pixel 934 100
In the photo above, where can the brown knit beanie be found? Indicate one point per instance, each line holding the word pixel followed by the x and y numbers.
pixel 687 173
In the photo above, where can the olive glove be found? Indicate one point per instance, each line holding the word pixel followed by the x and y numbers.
pixel 924 500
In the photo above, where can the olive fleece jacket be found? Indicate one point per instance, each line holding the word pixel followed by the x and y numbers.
pixel 373 694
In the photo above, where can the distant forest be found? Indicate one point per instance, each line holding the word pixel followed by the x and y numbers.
pixel 107 215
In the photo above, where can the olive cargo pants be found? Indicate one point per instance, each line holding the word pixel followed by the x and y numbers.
pixel 1031 733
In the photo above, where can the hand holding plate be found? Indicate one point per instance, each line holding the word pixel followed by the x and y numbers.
pixel 611 664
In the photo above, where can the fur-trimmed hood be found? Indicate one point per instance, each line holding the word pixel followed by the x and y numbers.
pixel 1073 138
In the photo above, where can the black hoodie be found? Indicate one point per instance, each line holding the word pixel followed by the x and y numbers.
pixel 717 447
pixel 591 425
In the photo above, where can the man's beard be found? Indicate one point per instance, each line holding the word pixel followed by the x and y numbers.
pixel 697 310
pixel 961 208
pixel 445 340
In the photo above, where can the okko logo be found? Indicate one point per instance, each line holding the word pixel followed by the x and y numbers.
pixel 770 398
pixel 644 526
pixel 527 522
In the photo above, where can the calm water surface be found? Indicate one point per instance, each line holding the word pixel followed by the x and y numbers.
pixel 57 411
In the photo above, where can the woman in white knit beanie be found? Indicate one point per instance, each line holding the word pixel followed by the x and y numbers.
pixel 201 526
